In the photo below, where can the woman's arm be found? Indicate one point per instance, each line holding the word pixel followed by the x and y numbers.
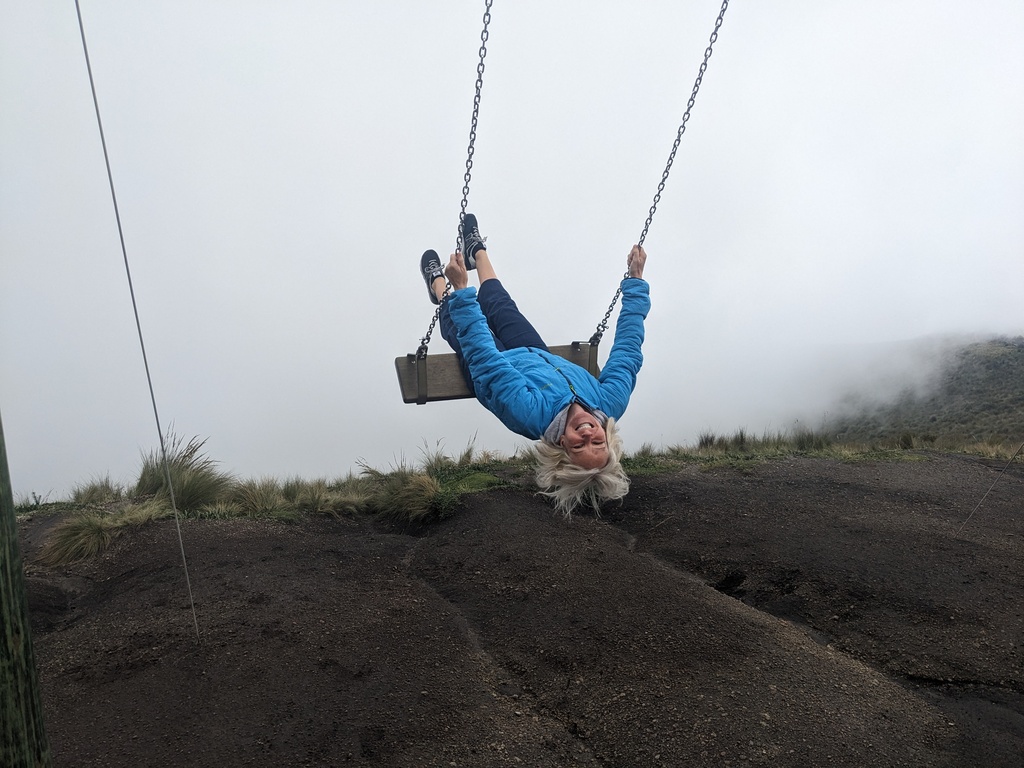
pixel 618 378
pixel 498 383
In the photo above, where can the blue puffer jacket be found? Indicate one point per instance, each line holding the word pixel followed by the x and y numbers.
pixel 527 387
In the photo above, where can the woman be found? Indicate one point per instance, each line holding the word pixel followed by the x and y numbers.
pixel 535 393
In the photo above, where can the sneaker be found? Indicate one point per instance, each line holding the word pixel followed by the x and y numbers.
pixel 471 240
pixel 430 268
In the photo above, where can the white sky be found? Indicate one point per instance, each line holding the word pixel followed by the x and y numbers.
pixel 852 177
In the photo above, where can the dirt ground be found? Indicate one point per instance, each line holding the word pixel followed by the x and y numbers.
pixel 802 612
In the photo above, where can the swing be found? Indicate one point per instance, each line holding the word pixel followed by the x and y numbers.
pixel 424 378
pixel 446 381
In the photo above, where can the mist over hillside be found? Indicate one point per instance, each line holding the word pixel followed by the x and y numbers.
pixel 957 390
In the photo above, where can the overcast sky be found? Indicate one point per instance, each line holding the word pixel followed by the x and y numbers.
pixel 852 178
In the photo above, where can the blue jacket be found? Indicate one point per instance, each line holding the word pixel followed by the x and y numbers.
pixel 527 387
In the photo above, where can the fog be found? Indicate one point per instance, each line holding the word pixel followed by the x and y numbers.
pixel 849 187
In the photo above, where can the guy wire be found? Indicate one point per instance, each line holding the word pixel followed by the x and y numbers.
pixel 998 475
pixel 138 323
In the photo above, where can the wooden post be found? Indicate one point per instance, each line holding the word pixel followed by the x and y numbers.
pixel 23 741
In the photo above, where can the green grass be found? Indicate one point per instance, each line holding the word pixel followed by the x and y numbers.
pixel 405 494
pixel 87 533
pixel 218 510
pixel 416 495
pixel 313 496
pixel 30 503
pixel 100 491
pixel 349 496
pixel 194 477
pixel 743 451
pixel 81 536
pixel 263 498
pixel 102 511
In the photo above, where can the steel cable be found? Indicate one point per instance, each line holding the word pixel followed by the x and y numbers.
pixel 138 323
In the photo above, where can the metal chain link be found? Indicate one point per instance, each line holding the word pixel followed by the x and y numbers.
pixel 471 150
pixel 468 175
pixel 603 325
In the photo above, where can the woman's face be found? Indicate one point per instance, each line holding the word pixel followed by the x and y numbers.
pixel 584 439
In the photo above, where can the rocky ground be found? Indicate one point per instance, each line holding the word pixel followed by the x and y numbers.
pixel 801 612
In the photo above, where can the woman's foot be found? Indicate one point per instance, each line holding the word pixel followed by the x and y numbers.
pixel 430 268
pixel 472 241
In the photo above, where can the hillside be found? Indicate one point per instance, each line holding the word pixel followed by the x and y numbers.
pixel 976 395
pixel 796 612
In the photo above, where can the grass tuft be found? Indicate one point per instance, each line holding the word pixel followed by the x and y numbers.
pixel 30 503
pixel 219 510
pixel 82 536
pixel 351 495
pixel 805 439
pixel 88 533
pixel 645 461
pixel 195 479
pixel 740 440
pixel 314 497
pixel 408 495
pixel 142 513
pixel 263 498
pixel 100 491
pixel 706 440
pixel 404 496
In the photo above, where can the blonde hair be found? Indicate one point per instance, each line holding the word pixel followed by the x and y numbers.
pixel 569 485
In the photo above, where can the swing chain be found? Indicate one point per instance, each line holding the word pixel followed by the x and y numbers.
pixel 471 149
pixel 468 175
pixel 421 351
pixel 603 325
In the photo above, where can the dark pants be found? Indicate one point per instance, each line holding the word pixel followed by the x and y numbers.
pixel 508 326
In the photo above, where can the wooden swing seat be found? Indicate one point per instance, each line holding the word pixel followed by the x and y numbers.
pixel 429 378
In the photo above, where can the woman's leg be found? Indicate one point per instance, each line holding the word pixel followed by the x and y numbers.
pixel 450 334
pixel 510 328
pixel 484 268
pixel 438 287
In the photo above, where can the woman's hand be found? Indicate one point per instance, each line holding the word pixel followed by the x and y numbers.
pixel 456 272
pixel 636 260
